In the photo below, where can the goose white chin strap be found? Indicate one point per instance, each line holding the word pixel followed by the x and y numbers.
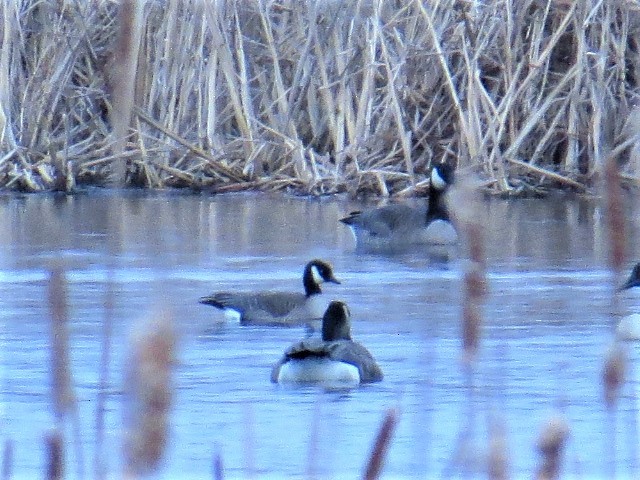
pixel 317 278
pixel 436 180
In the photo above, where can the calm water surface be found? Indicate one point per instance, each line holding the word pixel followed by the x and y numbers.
pixel 547 325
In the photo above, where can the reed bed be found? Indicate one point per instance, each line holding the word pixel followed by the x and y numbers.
pixel 316 97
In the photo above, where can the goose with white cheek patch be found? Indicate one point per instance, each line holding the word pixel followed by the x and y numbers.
pixel 397 227
pixel 334 359
pixel 279 308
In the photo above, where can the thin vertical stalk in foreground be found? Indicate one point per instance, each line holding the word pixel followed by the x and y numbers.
pixel 100 466
pixel 615 362
pixel 314 437
pixel 498 458
pixel 551 443
pixel 63 397
pixel 54 444
pixel 62 393
pixel 7 460
pixel 468 217
pixel 149 394
pixel 218 465
pixel 123 81
pixel 381 446
pixel 467 214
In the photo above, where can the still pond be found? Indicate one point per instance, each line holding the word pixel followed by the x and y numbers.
pixel 547 326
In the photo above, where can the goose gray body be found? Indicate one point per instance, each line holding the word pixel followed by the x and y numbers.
pixel 279 307
pixel 335 358
pixel 398 226
pixel 629 326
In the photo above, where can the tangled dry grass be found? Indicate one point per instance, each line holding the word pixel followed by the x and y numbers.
pixel 317 96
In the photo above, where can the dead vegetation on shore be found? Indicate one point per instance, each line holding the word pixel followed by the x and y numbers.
pixel 316 97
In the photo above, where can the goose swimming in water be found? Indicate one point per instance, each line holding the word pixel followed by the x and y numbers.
pixel 333 359
pixel 279 307
pixel 397 227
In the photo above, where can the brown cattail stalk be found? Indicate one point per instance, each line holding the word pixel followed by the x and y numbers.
pixel 64 401
pixel 465 206
pixel 551 443
pixel 381 445
pixel 613 373
pixel 103 381
pixel 122 80
pixel 149 394
pixel 55 455
pixel 614 369
pixel 614 215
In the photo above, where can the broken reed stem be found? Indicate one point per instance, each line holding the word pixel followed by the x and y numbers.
pixel 149 394
pixel 550 445
pixel 381 445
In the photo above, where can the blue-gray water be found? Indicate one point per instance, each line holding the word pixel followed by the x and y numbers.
pixel 547 326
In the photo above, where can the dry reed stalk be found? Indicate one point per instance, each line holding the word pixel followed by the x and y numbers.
pixel 465 207
pixel 54 444
pixel 502 87
pixel 211 161
pixel 615 217
pixel 149 394
pixel 63 397
pixel 100 462
pixel 10 14
pixel 378 454
pixel 122 81
pixel 613 374
pixel 550 445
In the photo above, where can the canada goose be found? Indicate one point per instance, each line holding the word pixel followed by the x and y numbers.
pixel 398 226
pixel 276 307
pixel 629 326
pixel 332 359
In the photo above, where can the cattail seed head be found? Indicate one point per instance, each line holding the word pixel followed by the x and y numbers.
pixel 149 394
pixel 613 373
pixel 551 444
